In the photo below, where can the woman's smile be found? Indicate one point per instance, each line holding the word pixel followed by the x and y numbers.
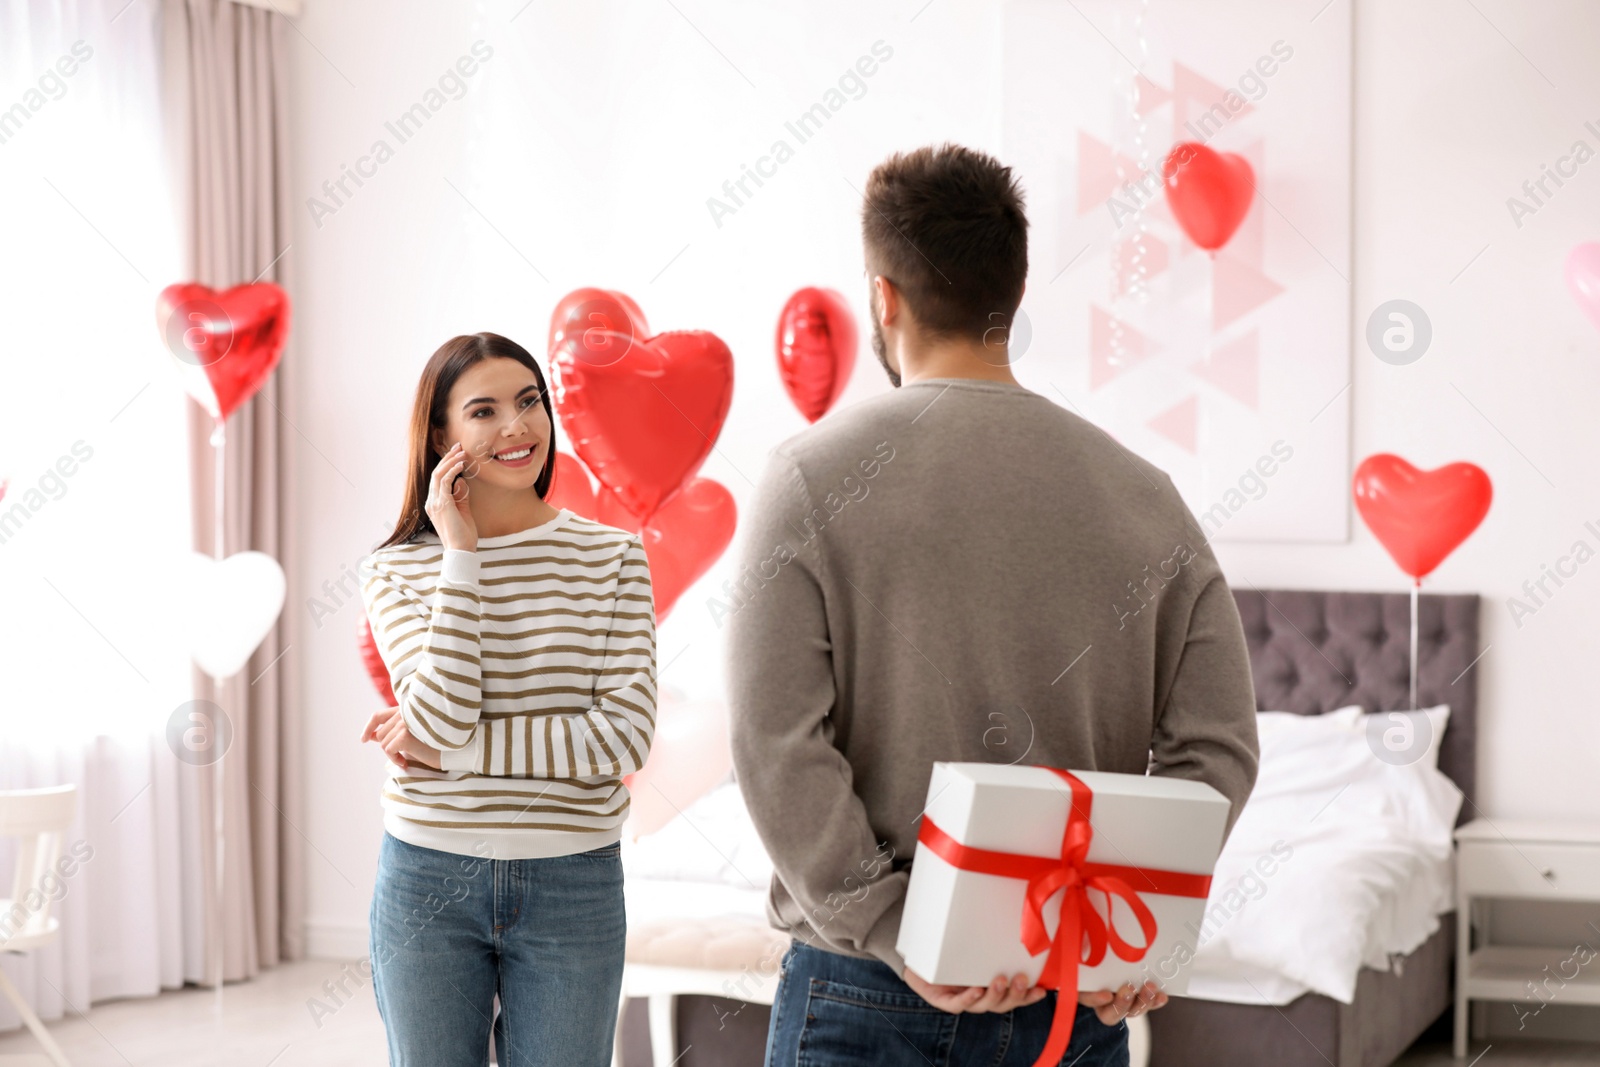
pixel 517 457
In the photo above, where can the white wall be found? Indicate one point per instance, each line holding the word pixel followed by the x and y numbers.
pixel 1450 121
pixel 584 150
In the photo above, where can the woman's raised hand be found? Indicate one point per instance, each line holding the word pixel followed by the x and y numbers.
pixel 447 501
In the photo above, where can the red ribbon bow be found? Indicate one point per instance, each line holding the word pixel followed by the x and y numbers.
pixel 1081 934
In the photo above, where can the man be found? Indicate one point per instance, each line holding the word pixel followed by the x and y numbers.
pixel 959 570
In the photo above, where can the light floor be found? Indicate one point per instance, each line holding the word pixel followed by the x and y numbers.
pixel 266 1023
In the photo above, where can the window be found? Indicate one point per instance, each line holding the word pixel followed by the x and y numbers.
pixel 92 437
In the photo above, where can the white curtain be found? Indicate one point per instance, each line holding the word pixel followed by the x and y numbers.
pixel 96 510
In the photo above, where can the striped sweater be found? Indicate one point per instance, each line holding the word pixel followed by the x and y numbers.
pixel 530 664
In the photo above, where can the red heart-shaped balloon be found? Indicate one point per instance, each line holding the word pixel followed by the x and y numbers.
pixel 570 488
pixel 683 539
pixel 1420 516
pixel 642 414
pixel 377 670
pixel 227 343
pixel 607 310
pixel 1209 192
pixel 816 349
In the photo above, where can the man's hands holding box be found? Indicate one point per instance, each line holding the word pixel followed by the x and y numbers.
pixel 1002 996
pixel 1019 871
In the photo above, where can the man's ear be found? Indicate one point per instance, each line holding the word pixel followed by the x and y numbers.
pixel 888 300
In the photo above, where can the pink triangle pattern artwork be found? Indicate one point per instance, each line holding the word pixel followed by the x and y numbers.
pixel 1179 422
pixel 1097 172
pixel 1189 357
pixel 1122 253
pixel 1237 288
pixel 1235 368
pixel 1239 283
pixel 1151 95
pixel 1249 241
pixel 1192 92
pixel 1105 362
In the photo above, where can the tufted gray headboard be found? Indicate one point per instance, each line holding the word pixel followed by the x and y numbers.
pixel 1313 651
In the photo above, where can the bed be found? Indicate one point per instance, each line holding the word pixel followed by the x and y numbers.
pixel 1310 653
pixel 702 880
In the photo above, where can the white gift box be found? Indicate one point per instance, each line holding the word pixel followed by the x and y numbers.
pixel 965 928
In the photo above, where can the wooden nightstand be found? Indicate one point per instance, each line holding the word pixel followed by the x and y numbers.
pixel 1528 860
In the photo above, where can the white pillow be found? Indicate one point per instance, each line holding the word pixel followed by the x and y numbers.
pixel 1395 736
pixel 1388 733
pixel 1274 723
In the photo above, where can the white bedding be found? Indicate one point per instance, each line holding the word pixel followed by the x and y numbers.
pixel 706 863
pixel 651 901
pixel 1361 871
pixel 1367 873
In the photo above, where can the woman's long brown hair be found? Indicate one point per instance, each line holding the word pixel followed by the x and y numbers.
pixel 428 414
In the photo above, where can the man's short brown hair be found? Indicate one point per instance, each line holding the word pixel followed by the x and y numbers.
pixel 946 225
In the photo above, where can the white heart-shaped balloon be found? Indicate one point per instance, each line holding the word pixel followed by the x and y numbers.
pixel 232 606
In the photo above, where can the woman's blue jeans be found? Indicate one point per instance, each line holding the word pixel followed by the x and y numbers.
pixel 833 1010
pixel 449 932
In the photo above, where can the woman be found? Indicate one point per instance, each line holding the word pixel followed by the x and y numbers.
pixel 520 642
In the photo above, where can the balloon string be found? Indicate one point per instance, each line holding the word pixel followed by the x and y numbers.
pixel 1131 268
pixel 1137 288
pixel 219 440
pixel 1415 587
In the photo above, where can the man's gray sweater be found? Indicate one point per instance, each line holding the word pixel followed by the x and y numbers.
pixel 961 570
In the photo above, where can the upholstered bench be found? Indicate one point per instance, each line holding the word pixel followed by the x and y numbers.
pixel 733 956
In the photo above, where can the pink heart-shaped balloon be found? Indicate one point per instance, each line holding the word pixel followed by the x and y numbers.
pixel 689 755
pixel 1583 278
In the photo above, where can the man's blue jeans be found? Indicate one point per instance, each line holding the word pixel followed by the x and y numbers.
pixel 451 931
pixel 833 1010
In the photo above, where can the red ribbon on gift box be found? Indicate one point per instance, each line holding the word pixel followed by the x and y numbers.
pixel 1081 934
